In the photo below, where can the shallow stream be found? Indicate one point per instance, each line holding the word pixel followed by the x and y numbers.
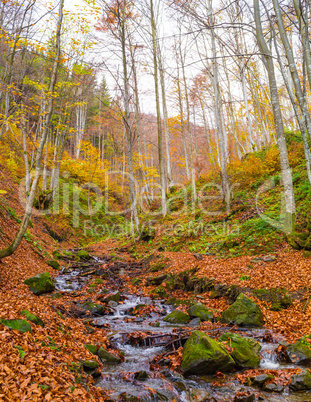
pixel 136 380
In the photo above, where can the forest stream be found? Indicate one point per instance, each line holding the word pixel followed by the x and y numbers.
pixel 146 341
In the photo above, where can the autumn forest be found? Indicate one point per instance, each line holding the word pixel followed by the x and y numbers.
pixel 155 195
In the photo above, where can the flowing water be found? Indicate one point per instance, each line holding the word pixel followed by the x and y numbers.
pixel 134 379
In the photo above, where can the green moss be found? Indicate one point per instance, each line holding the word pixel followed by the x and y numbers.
pixel 136 281
pixel 57 255
pixel 32 318
pixel 243 312
pixel 177 317
pixel 91 348
pixel 203 355
pixel 40 284
pixel 19 325
pixel 83 255
pixel 200 311
pixel 54 264
pixel 245 350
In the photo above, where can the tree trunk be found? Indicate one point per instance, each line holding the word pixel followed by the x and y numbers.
pixel 278 122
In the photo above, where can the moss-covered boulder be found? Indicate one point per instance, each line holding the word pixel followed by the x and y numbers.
pixel 107 357
pixel 243 312
pixel 93 308
pixel 300 351
pixel 198 310
pixel 177 317
pixel 32 318
pixel 301 381
pixel 90 366
pixel 136 281
pixel 83 255
pixel 19 325
pixel 57 255
pixel 54 264
pixel 244 350
pixel 40 284
pixel 203 355
pixel 112 297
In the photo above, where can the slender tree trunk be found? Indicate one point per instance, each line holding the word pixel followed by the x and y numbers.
pixel 221 133
pixel 157 96
pixel 278 122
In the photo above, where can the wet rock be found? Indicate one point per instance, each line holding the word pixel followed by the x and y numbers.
pixel 198 310
pixel 141 376
pixel 112 297
pixel 93 308
pixel 113 304
pixel 90 366
pixel 245 350
pixel 40 284
pixel 177 317
pixel 203 355
pixel 107 357
pixel 301 381
pixel 83 255
pixel 156 280
pixel 243 312
pixel 32 318
pixel 300 351
pixel 19 325
pixel 261 379
pixel 54 264
pixel 195 322
pixel 272 387
pixel 244 397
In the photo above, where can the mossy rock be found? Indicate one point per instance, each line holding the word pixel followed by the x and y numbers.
pixel 243 312
pixel 54 264
pixel 177 317
pixel 107 357
pixel 306 253
pixel 301 381
pixel 245 350
pixel 299 241
pixel 57 255
pixel 40 284
pixel 93 308
pixel 198 310
pixel 91 348
pixel 159 292
pixel 19 325
pixel 203 355
pixel 99 281
pixel 69 254
pixel 90 366
pixel 172 301
pixel 32 318
pixel 136 281
pixel 112 297
pixel 83 255
pixel 300 351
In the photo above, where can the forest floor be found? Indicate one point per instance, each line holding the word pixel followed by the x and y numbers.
pixel 45 364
